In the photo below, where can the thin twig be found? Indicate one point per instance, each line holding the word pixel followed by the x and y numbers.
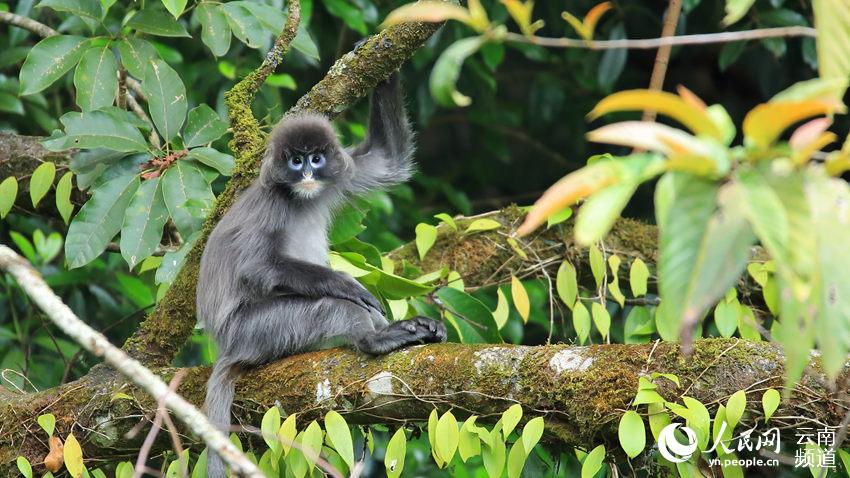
pixel 653 43
pixel 161 412
pixel 662 57
pixel 60 314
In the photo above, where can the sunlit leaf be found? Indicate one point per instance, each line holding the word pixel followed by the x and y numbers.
pixel 447 436
pixel 431 11
pixel 601 318
pixel 339 436
pixel 765 123
pixel 426 236
pixel 483 225
pixel 394 454
pixel 520 298
pixel 664 103
pixel 500 315
pixel 593 462
pixel 638 276
pixel 770 402
pixel 516 459
pixel 63 196
pixel 8 194
pixel 832 23
pixel 632 433
pixel 41 181
pixel 521 11
pixel 566 283
pixel 73 456
pixel 736 9
pixel 649 136
pixel 581 321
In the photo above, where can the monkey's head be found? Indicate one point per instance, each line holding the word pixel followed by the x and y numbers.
pixel 304 156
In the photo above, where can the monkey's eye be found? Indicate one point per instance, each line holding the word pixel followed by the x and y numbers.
pixel 296 162
pixel 317 160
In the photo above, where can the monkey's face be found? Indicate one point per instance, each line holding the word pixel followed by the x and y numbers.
pixel 307 173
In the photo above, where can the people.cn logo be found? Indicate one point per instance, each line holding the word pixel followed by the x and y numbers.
pixel 671 449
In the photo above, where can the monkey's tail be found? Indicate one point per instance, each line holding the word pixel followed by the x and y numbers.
pixel 220 391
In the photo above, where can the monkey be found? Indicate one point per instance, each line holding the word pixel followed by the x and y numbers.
pixel 265 290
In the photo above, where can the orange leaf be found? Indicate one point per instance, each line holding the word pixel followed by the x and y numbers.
pixel 54 459
pixel 764 123
pixel 572 187
pixel 593 17
pixel 668 104
pixel 689 97
pixel 804 154
pixel 428 11
pixel 520 297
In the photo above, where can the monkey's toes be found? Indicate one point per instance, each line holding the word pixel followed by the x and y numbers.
pixel 436 330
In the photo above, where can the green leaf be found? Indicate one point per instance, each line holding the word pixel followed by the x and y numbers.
pixel 559 217
pixel 520 298
pixel 215 31
pixel 351 15
pixel 601 318
pixel 8 194
pixel 593 462
pixel 516 459
pixel 166 98
pixel 566 283
pixel 99 220
pixel 581 321
pixel 48 60
pixel 531 433
pixel 475 316
pixel 446 71
pixel 125 468
pixel 447 219
pixel 73 457
pixel 769 403
pixel 447 437
pixel 639 326
pixel 483 225
pixel 96 78
pixel 63 196
pixel 143 223
pixel 157 23
pixel 223 163
pixel 312 443
pixel 203 126
pixel 730 53
pixel 182 183
pixel 90 9
pixel 97 129
pixel 173 261
pixel 726 317
pixel 269 428
pixel 175 7
pixel 433 419
pixel 24 466
pixel 286 433
pixel 339 436
pixel 735 407
pixel 136 54
pixel 614 286
pixel 41 180
pixel 613 60
pixel 47 422
pixel 394 454
pixel 764 211
pixel 638 276
pixel 632 433
pixel 282 80
pixel 426 236
pixel 493 456
pixel 244 24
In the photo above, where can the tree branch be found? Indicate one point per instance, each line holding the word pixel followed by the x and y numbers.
pixel 97 344
pixel 29 24
pixel 662 57
pixel 581 391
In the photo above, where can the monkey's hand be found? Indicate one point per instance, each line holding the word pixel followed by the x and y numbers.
pixel 362 297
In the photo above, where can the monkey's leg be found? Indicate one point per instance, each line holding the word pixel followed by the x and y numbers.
pixel 399 334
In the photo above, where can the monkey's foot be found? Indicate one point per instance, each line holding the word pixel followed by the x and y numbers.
pixel 418 330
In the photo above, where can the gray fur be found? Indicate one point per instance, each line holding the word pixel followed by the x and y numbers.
pixel 264 288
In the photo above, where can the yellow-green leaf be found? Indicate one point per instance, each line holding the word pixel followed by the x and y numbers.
pixel 664 103
pixel 394 455
pixel 447 219
pixel 73 456
pixel 431 11
pixel 426 236
pixel 447 437
pixel 735 407
pixel 63 196
pixel 41 180
pixel 286 433
pixel 614 286
pixel 632 433
pixel 597 265
pixel 601 318
pixel 340 437
pixel 581 321
pixel 8 194
pixel 483 225
pixel 566 284
pixel 769 403
pixel 520 297
pixel 593 462
pixel 638 276
pixel 500 315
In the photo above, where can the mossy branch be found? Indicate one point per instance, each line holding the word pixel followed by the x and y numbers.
pixel 580 391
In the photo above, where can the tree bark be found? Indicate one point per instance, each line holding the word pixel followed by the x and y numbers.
pixel 580 391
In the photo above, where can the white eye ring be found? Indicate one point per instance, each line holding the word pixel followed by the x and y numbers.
pixel 317 160
pixel 296 163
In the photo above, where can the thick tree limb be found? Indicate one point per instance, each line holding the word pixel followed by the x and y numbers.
pixel 581 391
pixel 351 77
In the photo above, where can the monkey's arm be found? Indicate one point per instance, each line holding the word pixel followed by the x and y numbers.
pixel 285 275
pixel 385 156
